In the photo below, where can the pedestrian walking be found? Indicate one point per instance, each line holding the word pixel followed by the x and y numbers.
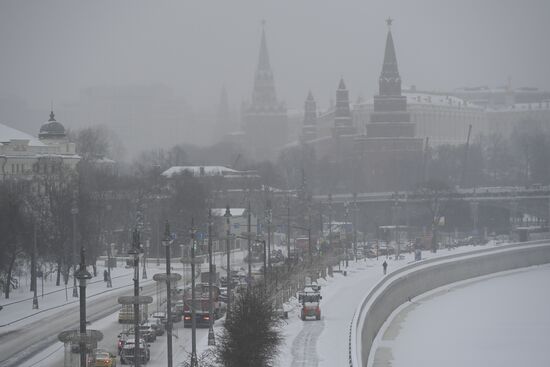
pixel 105 275
pixel 385 266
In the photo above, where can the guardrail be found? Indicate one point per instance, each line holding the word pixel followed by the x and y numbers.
pixel 414 279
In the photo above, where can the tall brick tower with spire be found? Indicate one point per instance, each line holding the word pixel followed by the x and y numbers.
pixel 264 118
pixel 343 124
pixel 309 128
pixel 391 154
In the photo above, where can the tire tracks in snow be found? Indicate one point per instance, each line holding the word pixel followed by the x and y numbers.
pixel 304 345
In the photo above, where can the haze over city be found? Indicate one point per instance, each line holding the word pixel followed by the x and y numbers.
pixel 52 50
pixel 286 183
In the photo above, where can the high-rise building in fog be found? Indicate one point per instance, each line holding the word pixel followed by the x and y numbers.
pixel 264 118
pixel 390 153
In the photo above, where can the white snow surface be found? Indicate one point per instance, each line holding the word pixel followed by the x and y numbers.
pixel 497 320
pixel 8 133
pixel 196 170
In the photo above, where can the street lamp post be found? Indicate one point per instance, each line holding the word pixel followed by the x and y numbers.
pixel 166 242
pixel 268 218
pixel 355 226
pixel 109 282
pixel 134 252
pixel 211 337
pixel 288 229
pixel 249 243
pixel 144 273
pixel 265 261
pixel 74 212
pixel 35 296
pixel 346 207
pixel 83 275
pixel 193 298
pixel 330 221
pixel 227 216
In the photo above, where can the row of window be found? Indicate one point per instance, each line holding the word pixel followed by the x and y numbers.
pixel 17 168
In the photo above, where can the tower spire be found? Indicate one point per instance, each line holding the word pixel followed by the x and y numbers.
pixel 390 81
pixel 52 116
pixel 263 60
pixel 264 94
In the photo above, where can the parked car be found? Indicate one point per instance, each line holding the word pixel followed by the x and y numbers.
pixel 157 325
pixel 159 316
pixel 102 358
pixel 146 332
pixel 127 353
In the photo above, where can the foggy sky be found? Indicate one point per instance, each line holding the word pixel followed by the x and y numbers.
pixel 51 49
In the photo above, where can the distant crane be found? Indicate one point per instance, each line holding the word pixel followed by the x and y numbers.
pixel 236 161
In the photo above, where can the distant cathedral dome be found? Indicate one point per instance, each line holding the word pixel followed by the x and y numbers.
pixel 52 129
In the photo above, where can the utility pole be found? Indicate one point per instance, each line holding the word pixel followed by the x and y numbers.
pixel 211 336
pixel 227 216
pixel 193 298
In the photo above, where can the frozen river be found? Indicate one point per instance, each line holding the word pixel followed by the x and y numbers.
pixel 500 320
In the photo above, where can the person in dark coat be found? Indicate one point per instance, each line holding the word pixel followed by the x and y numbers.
pixel 105 275
pixel 385 266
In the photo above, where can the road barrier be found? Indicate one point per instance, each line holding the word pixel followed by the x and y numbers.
pixel 412 280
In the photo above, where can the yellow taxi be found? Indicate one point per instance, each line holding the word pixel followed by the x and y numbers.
pixel 103 358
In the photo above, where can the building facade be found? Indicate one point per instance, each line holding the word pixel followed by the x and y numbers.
pixel 23 156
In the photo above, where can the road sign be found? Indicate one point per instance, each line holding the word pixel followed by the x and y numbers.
pixel 132 300
pixel 162 277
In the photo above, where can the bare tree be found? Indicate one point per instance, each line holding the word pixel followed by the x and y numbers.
pixel 438 195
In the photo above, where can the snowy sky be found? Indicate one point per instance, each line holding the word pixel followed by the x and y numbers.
pixel 51 49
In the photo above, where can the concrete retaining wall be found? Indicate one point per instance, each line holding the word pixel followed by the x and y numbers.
pixel 422 277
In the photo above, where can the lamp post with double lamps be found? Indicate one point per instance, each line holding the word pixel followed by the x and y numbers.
pixel 227 216
pixel 82 275
pixel 134 252
pixel 74 212
pixel 192 232
pixel 108 243
pixel 211 336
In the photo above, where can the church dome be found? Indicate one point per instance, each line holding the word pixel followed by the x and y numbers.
pixel 52 129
